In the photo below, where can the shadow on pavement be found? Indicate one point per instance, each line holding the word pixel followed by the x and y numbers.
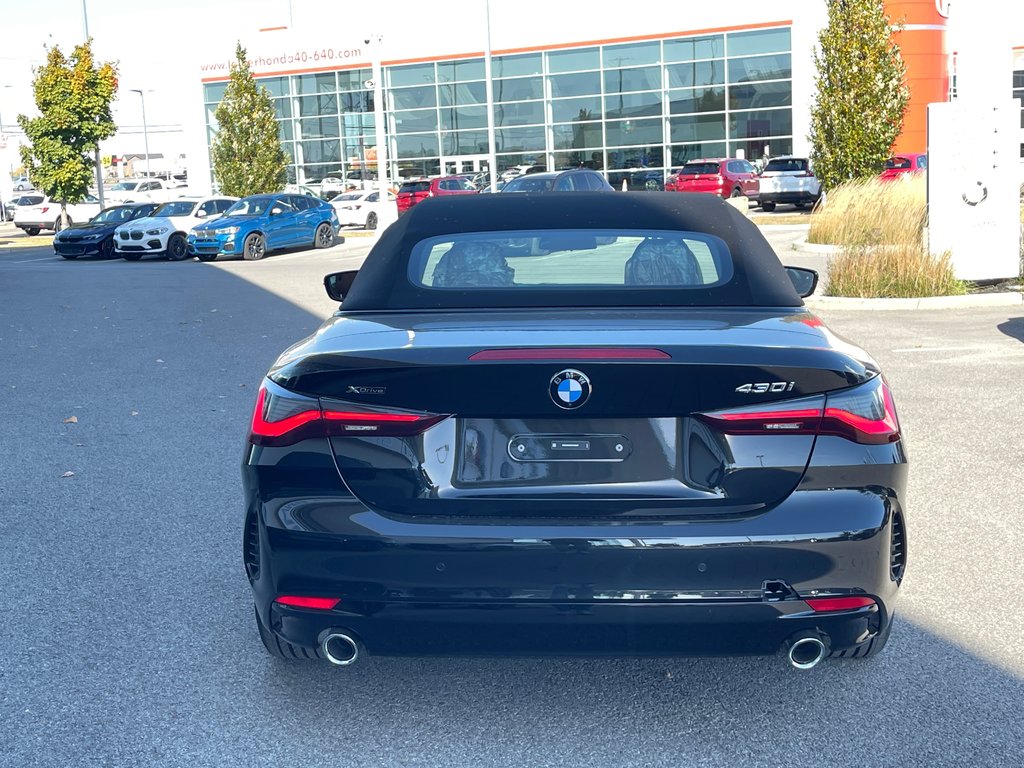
pixel 131 639
pixel 1014 328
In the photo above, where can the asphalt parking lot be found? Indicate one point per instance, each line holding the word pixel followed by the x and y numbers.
pixel 128 637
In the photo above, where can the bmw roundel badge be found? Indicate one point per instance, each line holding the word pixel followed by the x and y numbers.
pixel 569 388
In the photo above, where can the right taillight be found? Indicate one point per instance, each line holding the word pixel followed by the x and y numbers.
pixel 284 418
pixel 864 414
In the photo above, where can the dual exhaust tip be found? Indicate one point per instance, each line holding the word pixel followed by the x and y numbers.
pixel 804 651
pixel 341 648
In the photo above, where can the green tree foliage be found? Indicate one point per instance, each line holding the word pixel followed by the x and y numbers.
pixel 73 96
pixel 861 92
pixel 246 152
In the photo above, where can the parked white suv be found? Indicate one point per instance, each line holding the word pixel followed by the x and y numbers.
pixel 46 215
pixel 165 232
pixel 787 180
pixel 140 191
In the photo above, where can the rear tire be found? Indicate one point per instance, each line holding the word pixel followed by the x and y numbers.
pixel 324 236
pixel 282 649
pixel 177 248
pixel 371 220
pixel 107 249
pixel 32 231
pixel 737 192
pixel 254 247
pixel 767 207
pixel 872 647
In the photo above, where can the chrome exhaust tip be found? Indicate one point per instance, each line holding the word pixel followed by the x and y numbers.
pixel 806 652
pixel 340 649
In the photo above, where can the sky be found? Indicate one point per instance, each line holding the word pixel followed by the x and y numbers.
pixel 157 42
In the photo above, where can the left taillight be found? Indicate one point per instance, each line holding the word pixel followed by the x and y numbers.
pixel 284 418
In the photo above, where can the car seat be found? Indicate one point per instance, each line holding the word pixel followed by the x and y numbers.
pixel 660 261
pixel 473 265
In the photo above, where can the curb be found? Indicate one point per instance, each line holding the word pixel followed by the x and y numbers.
pixel 973 300
pixel 802 246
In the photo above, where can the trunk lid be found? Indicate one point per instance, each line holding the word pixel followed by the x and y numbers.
pixel 513 444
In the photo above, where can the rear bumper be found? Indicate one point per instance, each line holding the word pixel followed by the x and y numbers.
pixel 795 196
pixel 637 588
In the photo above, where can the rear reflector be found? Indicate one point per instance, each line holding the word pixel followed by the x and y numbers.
pixel 298 601
pixel 572 353
pixel 826 604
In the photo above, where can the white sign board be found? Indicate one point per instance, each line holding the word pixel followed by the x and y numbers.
pixel 973 187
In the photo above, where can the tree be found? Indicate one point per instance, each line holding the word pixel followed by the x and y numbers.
pixel 246 152
pixel 73 96
pixel 861 93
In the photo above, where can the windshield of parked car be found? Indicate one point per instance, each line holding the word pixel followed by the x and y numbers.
pixel 251 206
pixel 898 163
pixel 125 186
pixel 584 259
pixel 113 214
pixel 177 208
pixel 529 184
pixel 693 169
pixel 349 197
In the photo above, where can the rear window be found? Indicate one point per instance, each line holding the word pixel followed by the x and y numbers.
pixel 898 163
pixel 560 260
pixel 415 186
pixel 692 169
pixel 529 184
pixel 787 164
pixel 29 200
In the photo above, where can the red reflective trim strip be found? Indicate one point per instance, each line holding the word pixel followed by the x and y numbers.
pixel 261 426
pixel 572 353
pixel 807 413
pixel 364 417
pixel 823 604
pixel 298 601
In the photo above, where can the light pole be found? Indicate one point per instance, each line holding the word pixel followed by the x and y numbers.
pixel 145 128
pixel 99 165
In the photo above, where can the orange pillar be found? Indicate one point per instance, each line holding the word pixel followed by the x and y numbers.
pixel 923 45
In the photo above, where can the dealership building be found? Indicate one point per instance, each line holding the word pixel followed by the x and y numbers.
pixel 633 95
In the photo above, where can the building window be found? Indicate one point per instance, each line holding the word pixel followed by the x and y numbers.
pixel 516 66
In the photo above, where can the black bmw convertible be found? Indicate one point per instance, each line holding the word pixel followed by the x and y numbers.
pixel 574 424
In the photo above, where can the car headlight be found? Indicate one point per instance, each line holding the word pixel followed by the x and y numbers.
pixel 226 231
pixel 157 231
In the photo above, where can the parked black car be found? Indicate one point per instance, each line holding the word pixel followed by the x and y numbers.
pixel 628 437
pixel 576 180
pixel 96 237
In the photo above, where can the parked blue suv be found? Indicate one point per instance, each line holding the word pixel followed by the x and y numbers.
pixel 259 224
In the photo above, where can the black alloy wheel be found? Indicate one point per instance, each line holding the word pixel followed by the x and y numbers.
pixel 107 249
pixel 255 248
pixel 371 220
pixel 32 231
pixel 324 237
pixel 177 248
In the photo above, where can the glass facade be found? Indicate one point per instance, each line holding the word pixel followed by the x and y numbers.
pixel 632 110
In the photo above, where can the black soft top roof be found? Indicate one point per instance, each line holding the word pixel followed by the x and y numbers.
pixel 758 280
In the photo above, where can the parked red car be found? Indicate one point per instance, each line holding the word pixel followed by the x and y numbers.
pixel 897 166
pixel 412 192
pixel 724 177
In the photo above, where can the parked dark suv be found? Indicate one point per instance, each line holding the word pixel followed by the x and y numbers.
pixel 576 180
